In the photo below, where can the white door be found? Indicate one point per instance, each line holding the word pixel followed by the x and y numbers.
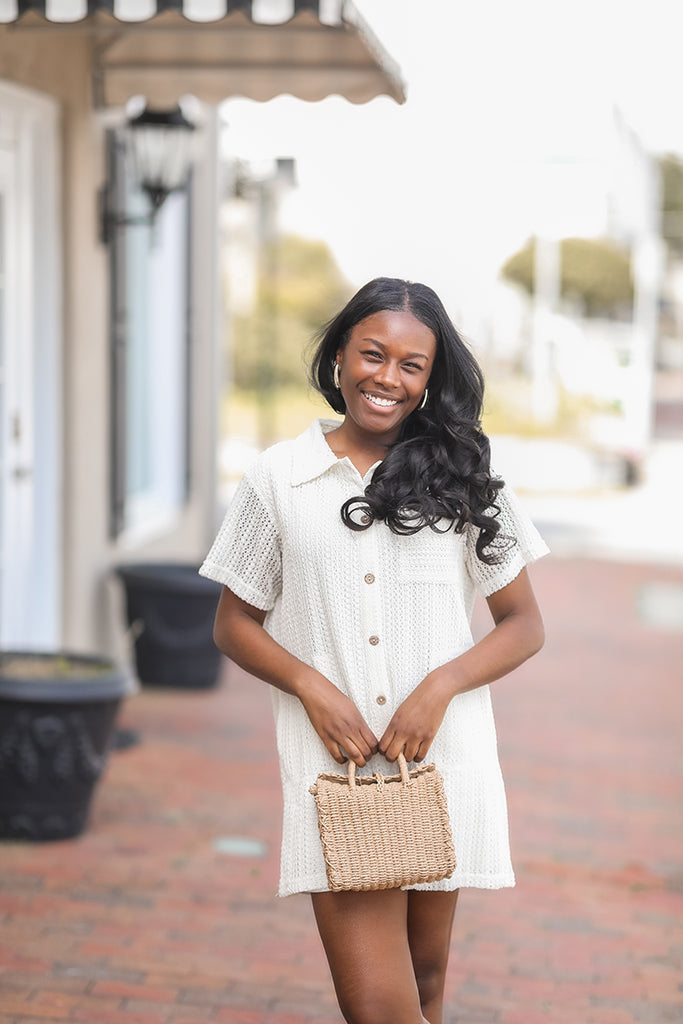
pixel 30 342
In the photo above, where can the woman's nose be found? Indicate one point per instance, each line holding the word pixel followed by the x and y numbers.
pixel 387 374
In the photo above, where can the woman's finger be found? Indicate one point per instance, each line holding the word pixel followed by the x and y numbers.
pixel 367 743
pixel 360 743
pixel 418 755
pixel 392 748
pixel 369 737
pixel 351 752
pixel 409 750
pixel 337 753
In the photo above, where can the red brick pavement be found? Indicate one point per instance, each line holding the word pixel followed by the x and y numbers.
pixel 144 921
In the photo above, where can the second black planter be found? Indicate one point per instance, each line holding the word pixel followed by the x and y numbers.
pixel 171 611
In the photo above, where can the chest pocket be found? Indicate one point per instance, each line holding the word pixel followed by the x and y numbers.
pixel 431 558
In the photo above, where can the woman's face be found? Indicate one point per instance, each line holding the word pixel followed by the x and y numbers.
pixel 383 371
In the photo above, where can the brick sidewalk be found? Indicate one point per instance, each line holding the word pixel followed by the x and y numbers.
pixel 150 919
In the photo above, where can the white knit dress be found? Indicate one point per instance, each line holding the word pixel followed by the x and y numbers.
pixel 374 612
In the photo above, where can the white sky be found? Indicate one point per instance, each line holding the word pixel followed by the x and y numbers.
pixel 443 188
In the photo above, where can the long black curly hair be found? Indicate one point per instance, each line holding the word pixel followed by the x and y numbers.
pixel 437 473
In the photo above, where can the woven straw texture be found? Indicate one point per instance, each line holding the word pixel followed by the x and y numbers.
pixel 384 831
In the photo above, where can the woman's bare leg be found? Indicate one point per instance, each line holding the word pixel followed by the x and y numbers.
pixel 365 935
pixel 430 921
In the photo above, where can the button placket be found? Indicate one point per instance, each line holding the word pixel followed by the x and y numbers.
pixel 372 619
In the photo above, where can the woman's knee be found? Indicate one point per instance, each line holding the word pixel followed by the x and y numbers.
pixel 430 920
pixel 431 981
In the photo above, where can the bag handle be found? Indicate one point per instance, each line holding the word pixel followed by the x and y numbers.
pixel 402 767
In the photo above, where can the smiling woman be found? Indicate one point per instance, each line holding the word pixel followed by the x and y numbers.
pixel 360 622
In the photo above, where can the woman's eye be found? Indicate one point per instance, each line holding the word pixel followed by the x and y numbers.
pixel 372 355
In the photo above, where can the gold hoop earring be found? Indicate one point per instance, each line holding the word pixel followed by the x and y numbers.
pixel 335 377
pixel 424 400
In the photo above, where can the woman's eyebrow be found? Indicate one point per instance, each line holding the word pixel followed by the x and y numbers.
pixel 411 355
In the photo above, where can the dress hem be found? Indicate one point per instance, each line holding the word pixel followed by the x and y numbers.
pixel 506 881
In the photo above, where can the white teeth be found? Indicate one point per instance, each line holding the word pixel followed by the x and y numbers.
pixel 380 401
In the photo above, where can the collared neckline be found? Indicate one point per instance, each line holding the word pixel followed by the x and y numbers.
pixel 313 456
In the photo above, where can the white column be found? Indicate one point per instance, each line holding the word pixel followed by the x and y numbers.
pixel 547 271
pixel 207 320
pixel 647 262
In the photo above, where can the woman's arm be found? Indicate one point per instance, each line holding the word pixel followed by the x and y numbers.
pixel 239 633
pixel 517 634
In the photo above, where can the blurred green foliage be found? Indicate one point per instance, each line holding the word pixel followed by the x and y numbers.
pixel 292 410
pixel 595 273
pixel 300 287
pixel 508 404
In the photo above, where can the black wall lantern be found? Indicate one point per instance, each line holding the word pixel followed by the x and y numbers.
pixel 159 144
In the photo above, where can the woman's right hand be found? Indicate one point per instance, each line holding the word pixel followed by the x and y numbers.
pixel 337 720
pixel 239 633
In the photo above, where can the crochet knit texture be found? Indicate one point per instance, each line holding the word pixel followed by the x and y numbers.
pixel 374 612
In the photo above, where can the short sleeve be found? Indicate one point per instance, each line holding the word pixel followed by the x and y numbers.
pixel 246 554
pixel 527 545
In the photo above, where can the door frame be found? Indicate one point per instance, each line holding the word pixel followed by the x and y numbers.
pixel 31 492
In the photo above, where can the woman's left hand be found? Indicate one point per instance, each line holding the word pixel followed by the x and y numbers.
pixel 415 722
pixel 517 634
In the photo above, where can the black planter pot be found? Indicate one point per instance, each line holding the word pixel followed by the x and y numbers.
pixel 171 609
pixel 57 714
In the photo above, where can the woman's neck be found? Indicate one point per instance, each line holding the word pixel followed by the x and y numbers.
pixel 362 450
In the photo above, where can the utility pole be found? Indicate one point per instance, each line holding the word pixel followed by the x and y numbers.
pixel 269 189
pixel 547 269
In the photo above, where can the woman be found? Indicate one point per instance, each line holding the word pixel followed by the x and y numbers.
pixel 350 559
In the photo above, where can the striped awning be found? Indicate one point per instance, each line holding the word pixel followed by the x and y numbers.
pixel 214 49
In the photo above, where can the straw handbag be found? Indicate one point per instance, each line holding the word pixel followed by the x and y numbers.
pixel 384 831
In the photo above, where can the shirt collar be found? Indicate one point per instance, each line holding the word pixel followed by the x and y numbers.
pixel 312 454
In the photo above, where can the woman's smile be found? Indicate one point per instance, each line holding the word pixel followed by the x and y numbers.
pixel 383 403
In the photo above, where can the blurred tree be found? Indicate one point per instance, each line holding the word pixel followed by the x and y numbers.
pixel 671 168
pixel 300 288
pixel 595 273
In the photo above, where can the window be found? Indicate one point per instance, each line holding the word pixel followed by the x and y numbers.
pixel 150 290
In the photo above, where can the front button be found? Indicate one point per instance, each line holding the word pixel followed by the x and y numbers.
pixel 369 578
pixel 381 699
pixel 374 640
